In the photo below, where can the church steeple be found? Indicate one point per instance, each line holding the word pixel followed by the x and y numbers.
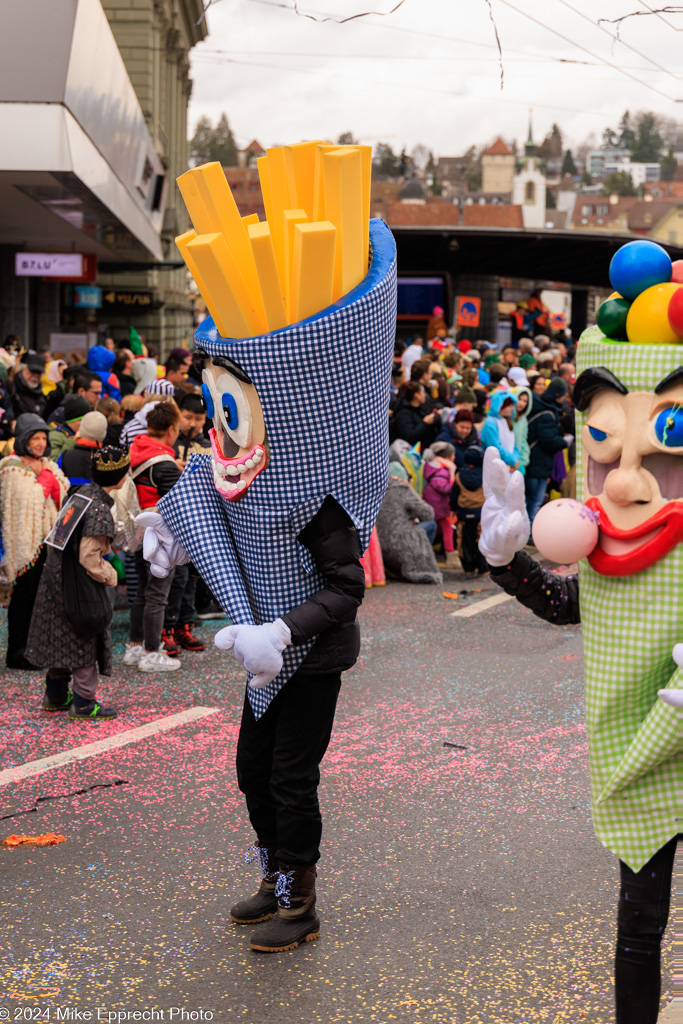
pixel 530 147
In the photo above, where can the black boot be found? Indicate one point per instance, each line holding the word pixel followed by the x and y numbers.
pixel 263 904
pixel 296 920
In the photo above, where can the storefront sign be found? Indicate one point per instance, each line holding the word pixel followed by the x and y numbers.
pixel 126 300
pixel 89 272
pixel 468 311
pixel 48 264
pixel 87 297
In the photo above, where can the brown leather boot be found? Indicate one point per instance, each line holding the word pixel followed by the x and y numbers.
pixel 296 920
pixel 263 904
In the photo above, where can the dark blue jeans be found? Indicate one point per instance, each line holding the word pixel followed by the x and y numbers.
pixel 644 899
pixel 429 527
pixel 534 490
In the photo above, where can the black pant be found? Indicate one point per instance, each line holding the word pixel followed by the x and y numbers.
pixel 149 607
pixel 468 529
pixel 180 608
pixel 643 912
pixel 20 609
pixel 278 761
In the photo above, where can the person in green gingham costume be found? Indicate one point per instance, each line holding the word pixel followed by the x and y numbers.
pixel 632 615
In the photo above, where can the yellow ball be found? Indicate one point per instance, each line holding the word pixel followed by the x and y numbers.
pixel 614 295
pixel 648 322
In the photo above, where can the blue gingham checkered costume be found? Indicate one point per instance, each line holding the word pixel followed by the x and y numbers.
pixel 324 389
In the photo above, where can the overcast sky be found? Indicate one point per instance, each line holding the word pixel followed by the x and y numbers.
pixel 429 73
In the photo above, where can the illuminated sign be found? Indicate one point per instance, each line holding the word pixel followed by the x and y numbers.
pixel 48 264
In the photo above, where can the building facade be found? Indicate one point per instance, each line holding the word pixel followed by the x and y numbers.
pixel 497 168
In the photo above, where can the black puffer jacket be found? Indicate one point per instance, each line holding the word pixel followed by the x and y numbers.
pixel 550 596
pixel 333 542
pixel 25 398
pixel 544 436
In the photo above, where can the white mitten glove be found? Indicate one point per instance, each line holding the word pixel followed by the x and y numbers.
pixel 504 520
pixel 258 648
pixel 674 697
pixel 159 546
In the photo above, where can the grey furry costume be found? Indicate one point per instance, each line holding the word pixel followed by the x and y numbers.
pixel 405 548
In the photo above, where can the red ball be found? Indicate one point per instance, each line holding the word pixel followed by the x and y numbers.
pixel 677 272
pixel 675 311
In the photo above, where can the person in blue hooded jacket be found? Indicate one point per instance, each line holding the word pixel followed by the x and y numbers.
pixel 100 361
pixel 498 431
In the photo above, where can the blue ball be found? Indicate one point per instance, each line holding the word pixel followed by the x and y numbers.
pixel 637 266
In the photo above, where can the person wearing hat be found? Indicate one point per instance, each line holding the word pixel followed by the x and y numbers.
pixel 406 549
pixel 498 431
pixel 64 435
pixel 32 489
pixel 57 639
pixel 545 440
pixel 27 386
pixel 76 462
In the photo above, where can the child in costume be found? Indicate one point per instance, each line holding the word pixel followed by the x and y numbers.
pixel 630 475
pixel 275 522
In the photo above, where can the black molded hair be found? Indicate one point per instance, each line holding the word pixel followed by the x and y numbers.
pixel 595 379
pixel 674 378
pixel 200 357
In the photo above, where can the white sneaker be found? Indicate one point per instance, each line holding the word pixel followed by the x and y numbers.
pixel 133 654
pixel 157 661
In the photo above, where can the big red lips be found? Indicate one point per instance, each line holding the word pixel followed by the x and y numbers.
pixel 642 546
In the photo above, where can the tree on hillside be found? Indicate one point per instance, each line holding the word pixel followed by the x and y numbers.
pixel 669 166
pixel 551 147
pixel 385 161
pixel 405 164
pixel 209 144
pixel 347 139
pixel 568 165
pixel 648 144
pixel 420 157
pixel 620 183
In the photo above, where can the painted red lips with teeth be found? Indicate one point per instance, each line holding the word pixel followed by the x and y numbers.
pixel 626 552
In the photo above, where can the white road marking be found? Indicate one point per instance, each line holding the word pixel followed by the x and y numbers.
pixel 121 739
pixel 481 606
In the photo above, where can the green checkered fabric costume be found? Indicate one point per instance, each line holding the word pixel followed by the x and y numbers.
pixel 630 626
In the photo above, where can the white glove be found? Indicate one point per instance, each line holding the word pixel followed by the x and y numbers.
pixel 504 520
pixel 258 648
pixel 674 697
pixel 159 546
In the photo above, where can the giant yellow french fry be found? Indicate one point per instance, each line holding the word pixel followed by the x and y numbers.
pixel 300 164
pixel 366 164
pixel 343 190
pixel 225 284
pixel 196 207
pixel 279 201
pixel 219 202
pixel 266 267
pixel 313 268
pixel 318 186
pixel 182 243
pixel 290 218
pixel 249 219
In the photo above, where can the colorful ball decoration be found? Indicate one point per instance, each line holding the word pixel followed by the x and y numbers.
pixel 677 271
pixel 638 266
pixel 612 318
pixel 647 322
pixel 675 312
pixel 565 530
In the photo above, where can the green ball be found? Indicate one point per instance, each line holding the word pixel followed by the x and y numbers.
pixel 612 318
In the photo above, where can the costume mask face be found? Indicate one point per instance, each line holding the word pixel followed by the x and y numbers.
pixel 633 472
pixel 238 436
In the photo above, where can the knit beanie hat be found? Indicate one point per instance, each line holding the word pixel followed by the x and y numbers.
pixel 443 450
pixel 489 358
pixel 75 408
pixel 93 427
pixel 398 471
pixel 464 415
pixel 109 465
pixel 557 388
pixel 526 360
pixel 465 394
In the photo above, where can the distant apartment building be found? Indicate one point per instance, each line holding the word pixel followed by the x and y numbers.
pixel 610 160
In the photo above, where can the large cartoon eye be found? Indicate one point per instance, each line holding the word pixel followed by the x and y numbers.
pixel 208 399
pixel 597 435
pixel 669 427
pixel 232 409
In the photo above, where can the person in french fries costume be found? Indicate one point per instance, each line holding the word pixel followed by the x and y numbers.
pixel 277 517
pixel 628 593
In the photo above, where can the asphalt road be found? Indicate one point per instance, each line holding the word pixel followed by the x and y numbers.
pixel 460 883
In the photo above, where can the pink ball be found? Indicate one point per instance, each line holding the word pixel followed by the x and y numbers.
pixel 565 530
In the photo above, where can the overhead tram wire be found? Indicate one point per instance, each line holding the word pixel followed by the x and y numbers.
pixel 617 39
pixel 413 88
pixel 661 17
pixel 607 63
